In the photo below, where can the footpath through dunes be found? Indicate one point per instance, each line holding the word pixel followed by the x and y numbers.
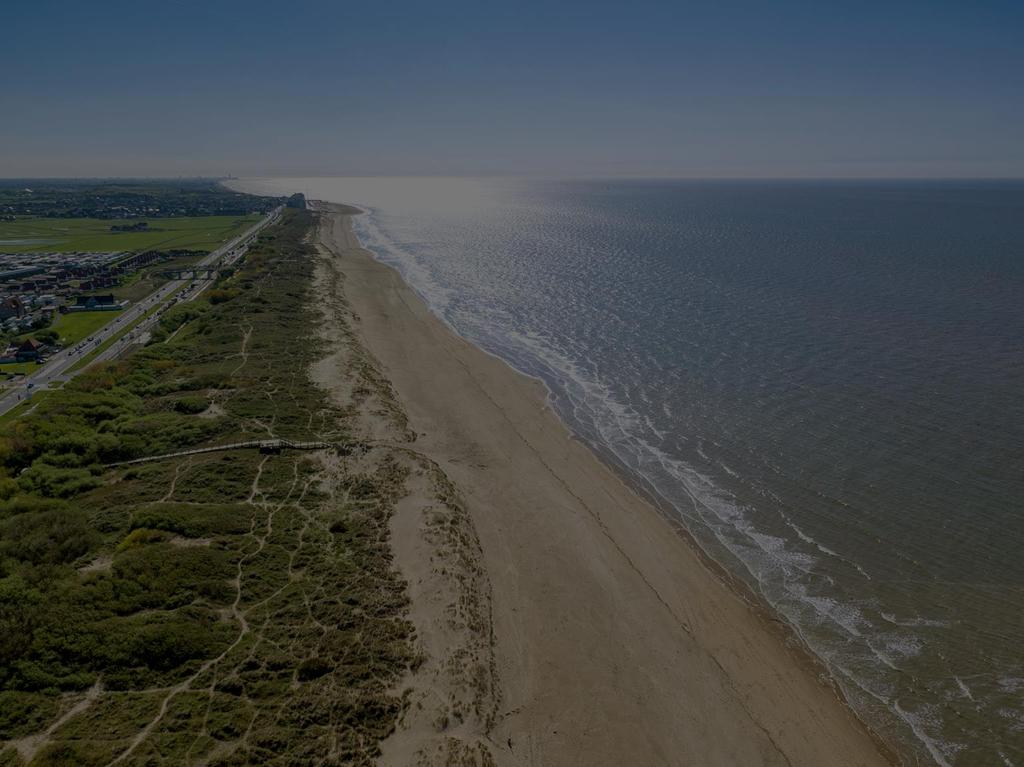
pixel 214 608
pixel 612 642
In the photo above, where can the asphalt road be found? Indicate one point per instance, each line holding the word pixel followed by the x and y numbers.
pixel 57 367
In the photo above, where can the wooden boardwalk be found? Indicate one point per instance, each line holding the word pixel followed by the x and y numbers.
pixel 270 446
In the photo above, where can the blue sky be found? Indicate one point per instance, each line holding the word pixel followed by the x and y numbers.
pixel 790 89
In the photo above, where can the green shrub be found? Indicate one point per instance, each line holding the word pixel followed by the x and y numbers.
pixel 56 482
pixel 8 487
pixel 175 317
pixel 53 537
pixel 142 536
pixel 220 296
pixel 191 405
pixel 23 713
pixel 22 504
pixel 194 520
pixel 20 614
pixel 49 336
pixel 165 431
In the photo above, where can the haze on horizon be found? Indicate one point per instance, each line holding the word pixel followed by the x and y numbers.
pixel 793 89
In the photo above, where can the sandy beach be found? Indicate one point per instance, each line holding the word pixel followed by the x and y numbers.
pixel 596 634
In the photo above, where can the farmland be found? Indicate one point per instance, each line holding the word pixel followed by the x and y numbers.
pixel 48 235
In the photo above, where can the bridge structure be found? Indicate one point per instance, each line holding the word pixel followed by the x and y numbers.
pixel 199 271
pixel 265 446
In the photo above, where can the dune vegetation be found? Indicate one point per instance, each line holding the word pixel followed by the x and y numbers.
pixel 226 608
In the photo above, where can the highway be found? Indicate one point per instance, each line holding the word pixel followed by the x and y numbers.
pixel 57 368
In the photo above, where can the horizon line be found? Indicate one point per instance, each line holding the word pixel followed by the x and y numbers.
pixel 565 177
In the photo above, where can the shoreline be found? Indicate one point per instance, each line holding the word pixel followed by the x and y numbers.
pixel 605 611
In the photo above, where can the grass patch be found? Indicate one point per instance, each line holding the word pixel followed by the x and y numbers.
pixel 19 368
pixel 48 235
pixel 74 326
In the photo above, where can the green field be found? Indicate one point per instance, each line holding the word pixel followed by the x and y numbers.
pixel 47 235
pixel 18 368
pixel 75 326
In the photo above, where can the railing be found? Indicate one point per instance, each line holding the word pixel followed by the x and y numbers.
pixel 263 445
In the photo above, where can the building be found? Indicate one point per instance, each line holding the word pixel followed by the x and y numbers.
pixel 11 306
pixel 19 273
pixel 29 350
pixel 101 303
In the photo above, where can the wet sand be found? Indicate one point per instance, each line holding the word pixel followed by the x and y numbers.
pixel 612 642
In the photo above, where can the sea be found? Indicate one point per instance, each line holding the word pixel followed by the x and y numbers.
pixel 822 381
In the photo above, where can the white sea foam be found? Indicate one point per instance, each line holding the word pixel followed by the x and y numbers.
pixel 940 751
pixel 963 688
pixel 728 471
pixel 808 539
pixel 892 649
pixel 914 622
pixel 822 548
pixel 437 296
pixel 1011 684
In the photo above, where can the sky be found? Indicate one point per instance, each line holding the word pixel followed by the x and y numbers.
pixel 717 89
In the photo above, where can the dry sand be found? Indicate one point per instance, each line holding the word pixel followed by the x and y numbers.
pixel 563 620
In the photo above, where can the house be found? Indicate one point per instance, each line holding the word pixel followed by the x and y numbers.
pixel 95 302
pixel 20 272
pixel 101 303
pixel 30 349
pixel 141 226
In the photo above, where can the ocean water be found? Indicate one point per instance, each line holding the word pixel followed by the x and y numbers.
pixel 824 382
